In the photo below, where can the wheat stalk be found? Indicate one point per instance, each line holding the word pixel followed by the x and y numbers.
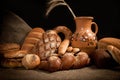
pixel 54 3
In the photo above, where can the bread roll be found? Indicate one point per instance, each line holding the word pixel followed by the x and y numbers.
pixel 30 61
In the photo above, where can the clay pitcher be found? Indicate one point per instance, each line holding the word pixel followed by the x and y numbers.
pixel 85 37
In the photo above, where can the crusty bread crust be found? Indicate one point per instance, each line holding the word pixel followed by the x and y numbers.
pixel 102 43
pixel 7 47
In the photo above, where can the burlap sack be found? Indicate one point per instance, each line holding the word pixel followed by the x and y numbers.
pixel 13 28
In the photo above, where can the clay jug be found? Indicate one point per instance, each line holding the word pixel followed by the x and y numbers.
pixel 85 37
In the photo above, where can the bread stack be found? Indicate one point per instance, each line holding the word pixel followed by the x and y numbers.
pixel 12 55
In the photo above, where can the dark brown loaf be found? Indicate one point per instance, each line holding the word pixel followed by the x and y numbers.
pixel 102 59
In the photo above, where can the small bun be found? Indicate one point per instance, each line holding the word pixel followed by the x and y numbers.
pixel 31 61
pixel 67 61
pixel 54 63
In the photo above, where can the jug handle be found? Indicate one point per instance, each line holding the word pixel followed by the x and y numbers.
pixel 96 27
pixel 65 43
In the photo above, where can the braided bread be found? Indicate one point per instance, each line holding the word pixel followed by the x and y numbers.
pixel 65 43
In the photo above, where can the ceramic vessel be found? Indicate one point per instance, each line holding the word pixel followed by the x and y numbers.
pixel 85 36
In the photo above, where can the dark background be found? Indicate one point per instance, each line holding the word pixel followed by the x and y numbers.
pixel 106 14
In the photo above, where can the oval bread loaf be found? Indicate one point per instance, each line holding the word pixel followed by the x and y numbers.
pixel 32 39
pixel 115 52
pixel 104 42
pixel 8 47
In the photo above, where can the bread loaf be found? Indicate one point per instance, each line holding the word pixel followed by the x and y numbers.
pixel 11 63
pixel 48 45
pixel 102 43
pixel 32 39
pixel 102 59
pixel 115 52
pixel 8 47
pixel 15 54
